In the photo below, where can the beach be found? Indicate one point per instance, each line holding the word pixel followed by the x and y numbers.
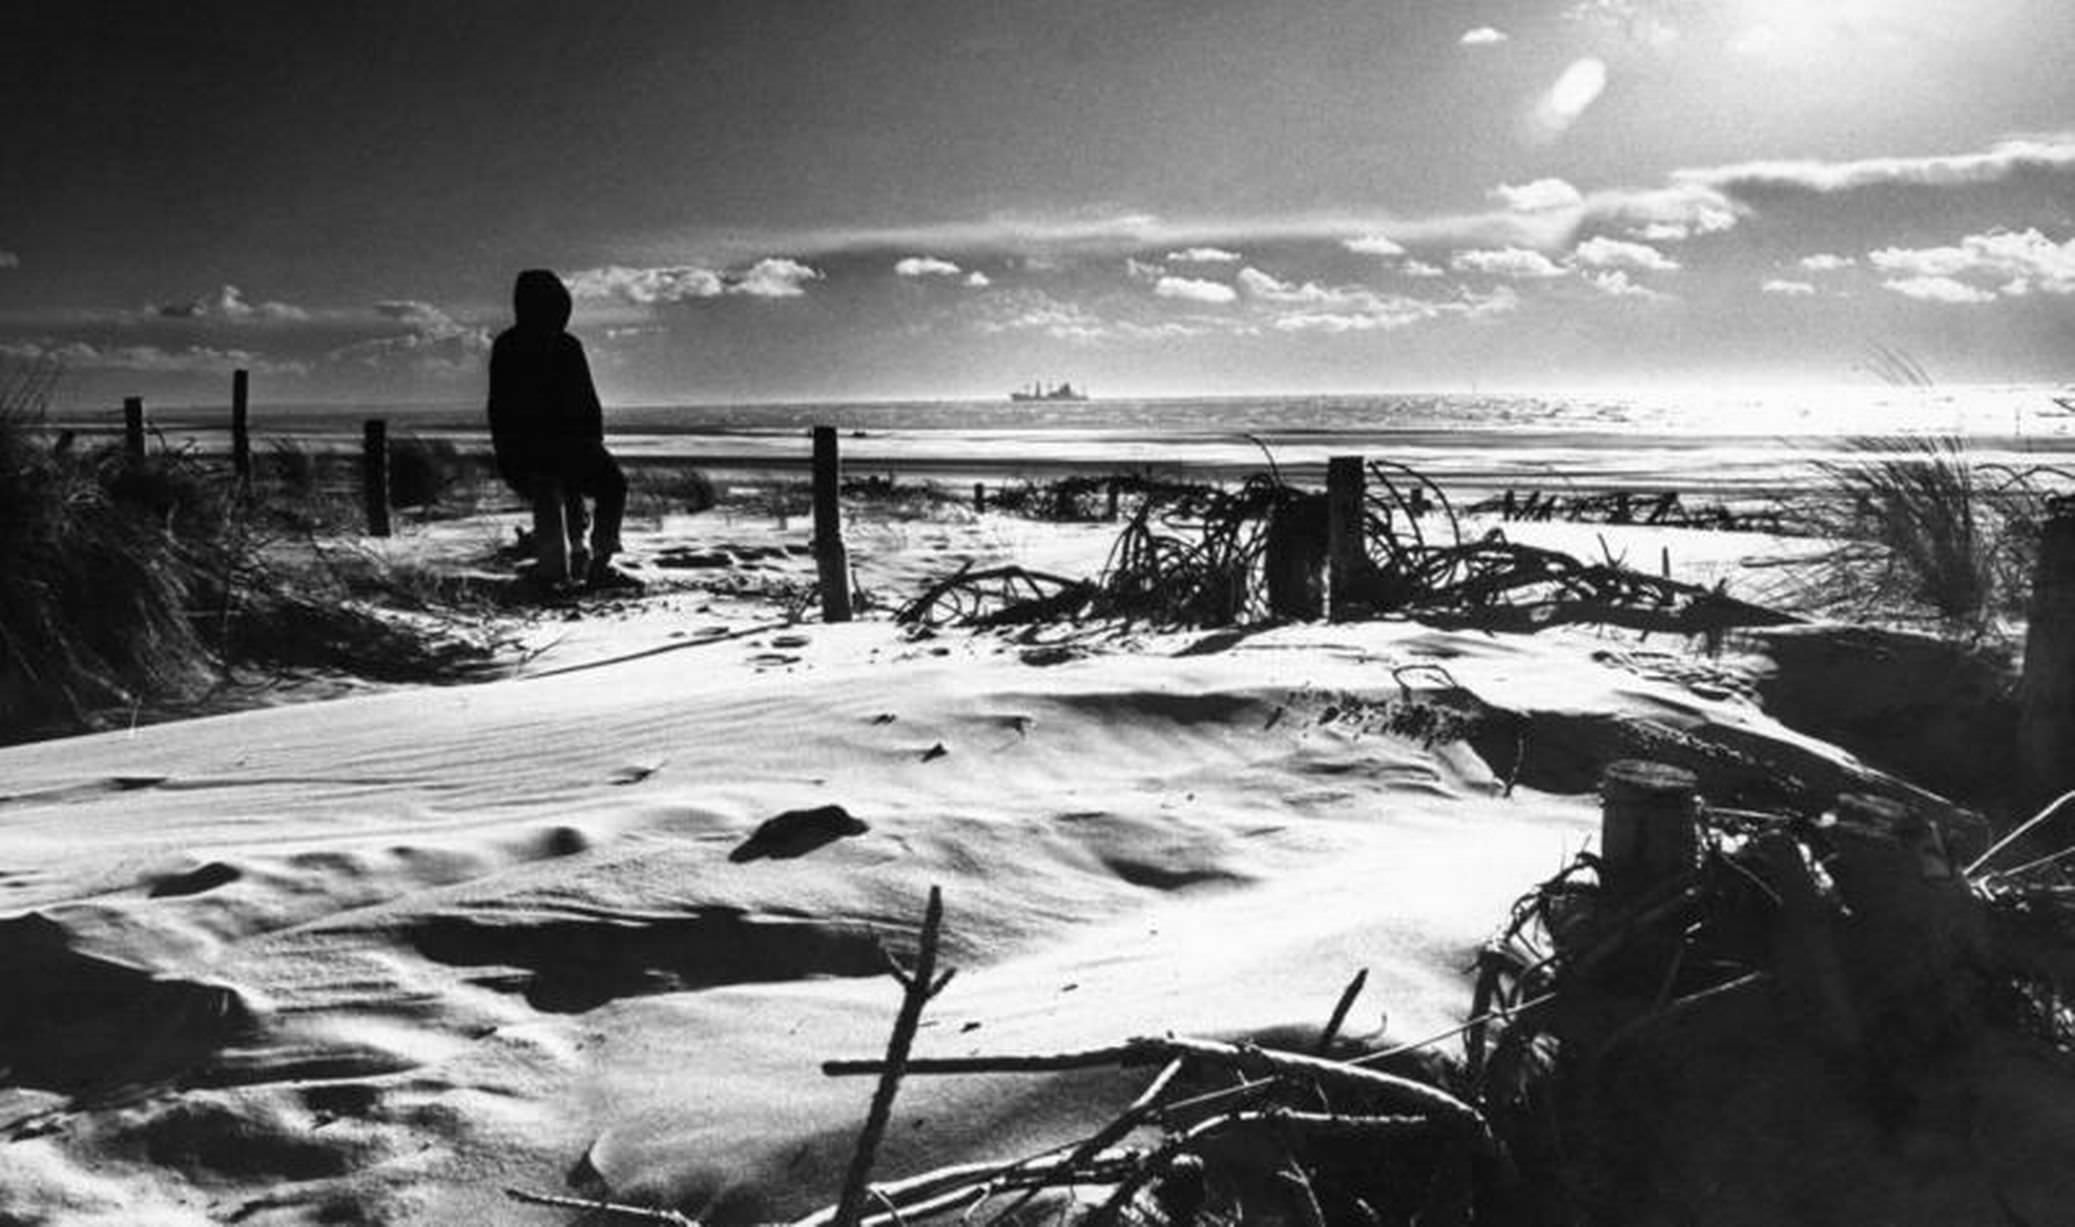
pixel 381 957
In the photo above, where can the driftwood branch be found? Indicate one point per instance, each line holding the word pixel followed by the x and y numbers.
pixel 1244 1058
pixel 640 1214
pixel 951 1188
pixel 917 988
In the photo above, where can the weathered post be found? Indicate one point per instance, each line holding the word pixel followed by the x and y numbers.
pixel 1345 547
pixel 1111 513
pixel 133 427
pixel 374 476
pixel 241 431
pixel 831 561
pixel 1649 825
pixel 2046 695
pixel 979 496
pixel 1293 559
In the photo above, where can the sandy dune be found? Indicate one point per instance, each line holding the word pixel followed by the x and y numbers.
pixel 374 959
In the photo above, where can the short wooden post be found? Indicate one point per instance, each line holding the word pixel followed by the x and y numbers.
pixel 133 427
pixel 241 430
pixel 1111 514
pixel 374 476
pixel 2046 695
pixel 979 496
pixel 832 562
pixel 1346 549
pixel 1293 557
pixel 1649 825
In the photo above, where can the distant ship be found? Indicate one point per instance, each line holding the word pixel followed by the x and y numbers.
pixel 1038 391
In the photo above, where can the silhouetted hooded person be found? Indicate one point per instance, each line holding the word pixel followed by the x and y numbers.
pixel 548 431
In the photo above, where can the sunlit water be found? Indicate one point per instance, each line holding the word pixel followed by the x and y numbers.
pixel 1727 443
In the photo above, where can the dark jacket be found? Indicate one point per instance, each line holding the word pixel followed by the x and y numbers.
pixel 544 411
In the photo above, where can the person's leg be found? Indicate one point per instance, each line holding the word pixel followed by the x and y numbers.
pixel 577 519
pixel 550 531
pixel 599 476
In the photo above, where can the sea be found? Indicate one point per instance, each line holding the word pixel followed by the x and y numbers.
pixel 1702 442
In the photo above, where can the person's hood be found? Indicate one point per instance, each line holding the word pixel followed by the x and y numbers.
pixel 541 301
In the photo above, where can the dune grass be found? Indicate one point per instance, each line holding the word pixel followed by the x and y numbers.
pixel 1926 531
pixel 130 585
pixel 101 560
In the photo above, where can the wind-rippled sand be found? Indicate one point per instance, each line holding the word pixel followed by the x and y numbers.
pixel 375 959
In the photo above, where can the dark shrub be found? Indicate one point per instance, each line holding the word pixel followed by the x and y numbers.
pixel 680 489
pixel 422 471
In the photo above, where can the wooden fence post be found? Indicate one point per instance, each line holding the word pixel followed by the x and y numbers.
pixel 1345 547
pixel 832 562
pixel 1649 825
pixel 133 427
pixel 1293 558
pixel 241 430
pixel 979 496
pixel 1111 513
pixel 2046 695
pixel 374 476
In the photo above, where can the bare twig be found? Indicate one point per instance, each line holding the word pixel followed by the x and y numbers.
pixel 641 1214
pixel 948 1188
pixel 1339 1018
pixel 917 987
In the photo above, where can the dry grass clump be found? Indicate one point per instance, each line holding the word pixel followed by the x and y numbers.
pixel 1926 531
pixel 130 583
pixel 658 490
pixel 100 562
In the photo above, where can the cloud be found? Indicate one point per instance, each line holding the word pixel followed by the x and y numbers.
pixel 1791 289
pixel 2016 262
pixel 1616 283
pixel 1518 262
pixel 770 277
pixel 1140 270
pixel 151 359
pixel 1999 162
pixel 1665 214
pixel 1420 268
pixel 1374 245
pixel 229 303
pixel 1603 252
pixel 1648 22
pixel 978 280
pixel 421 316
pixel 1189 289
pixel 1204 255
pixel 434 343
pixel 10 260
pixel 1482 36
pixel 1940 290
pixel 926 266
pixel 646 286
pixel 1825 262
pixel 774 277
pixel 1311 307
pixel 1567 100
pixel 1537 196
pixel 1030 310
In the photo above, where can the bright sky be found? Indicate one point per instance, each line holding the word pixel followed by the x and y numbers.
pixel 816 199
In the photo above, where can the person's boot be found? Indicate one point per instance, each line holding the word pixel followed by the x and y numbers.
pixel 604 577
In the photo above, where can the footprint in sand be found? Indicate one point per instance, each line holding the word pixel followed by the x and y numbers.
pixel 773 660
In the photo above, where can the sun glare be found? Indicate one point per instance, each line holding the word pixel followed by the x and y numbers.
pixel 1802 30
